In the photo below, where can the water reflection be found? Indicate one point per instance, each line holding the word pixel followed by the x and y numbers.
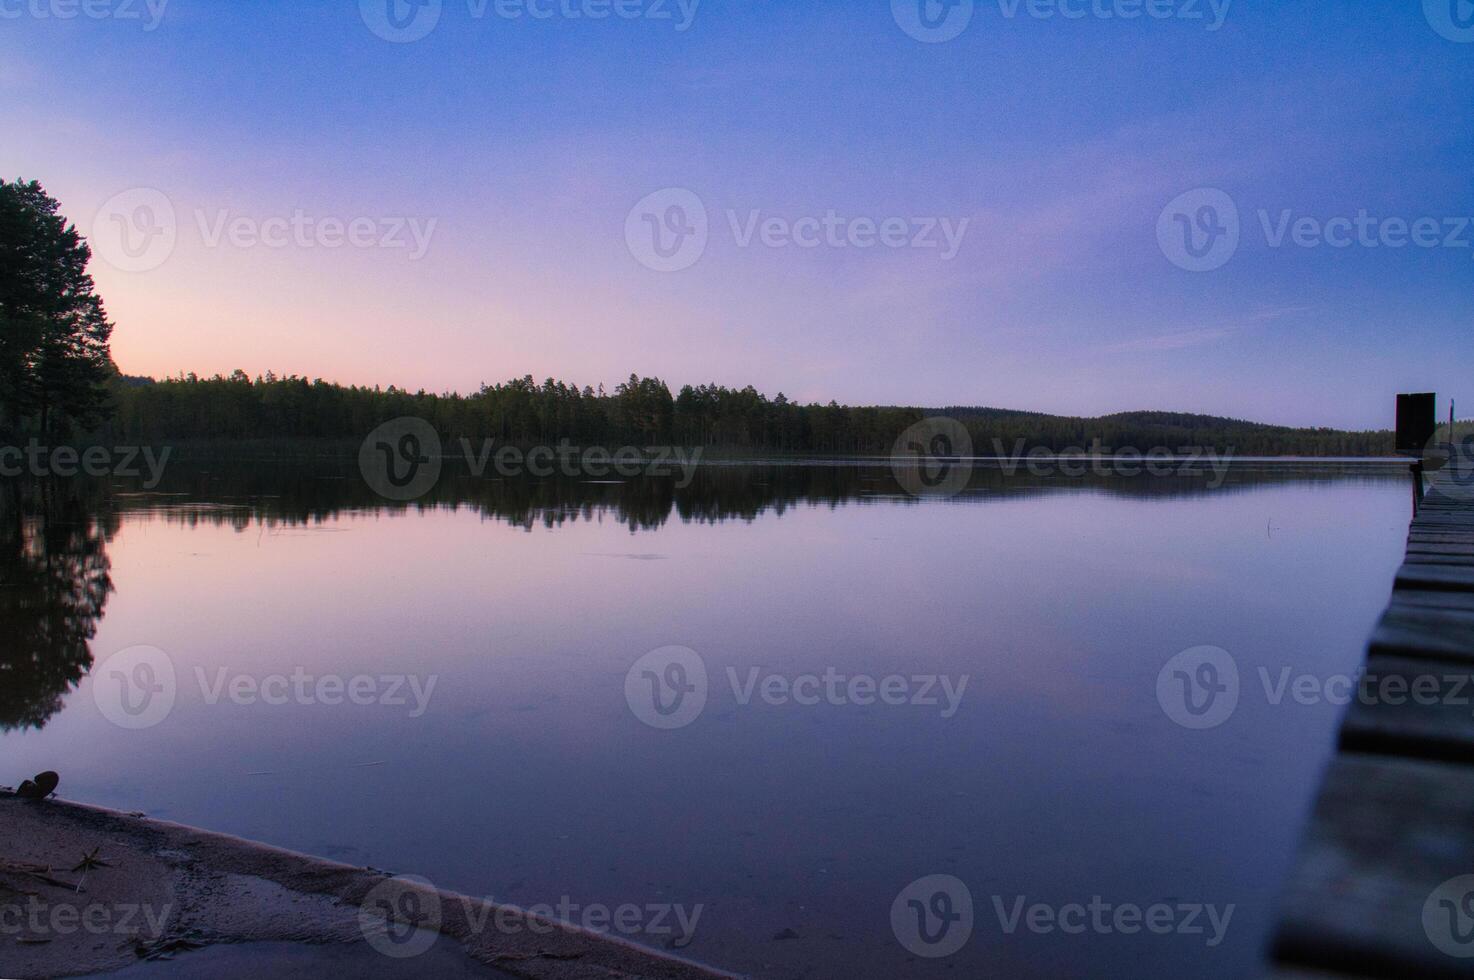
pixel 530 777
pixel 240 493
pixel 54 584
pixel 55 573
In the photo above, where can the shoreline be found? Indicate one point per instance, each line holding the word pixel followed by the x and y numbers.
pixel 170 888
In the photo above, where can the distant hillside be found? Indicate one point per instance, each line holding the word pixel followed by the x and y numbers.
pixel 1148 429
pixel 1176 420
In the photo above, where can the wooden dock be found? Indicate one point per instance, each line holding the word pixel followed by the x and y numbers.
pixel 1379 887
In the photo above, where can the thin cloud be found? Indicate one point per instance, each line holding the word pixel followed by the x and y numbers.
pixel 1203 336
pixel 1172 341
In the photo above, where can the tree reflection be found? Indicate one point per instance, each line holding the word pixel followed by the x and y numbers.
pixel 54 583
pixel 55 574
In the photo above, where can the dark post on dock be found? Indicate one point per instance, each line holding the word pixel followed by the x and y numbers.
pixel 1417 422
pixel 1384 882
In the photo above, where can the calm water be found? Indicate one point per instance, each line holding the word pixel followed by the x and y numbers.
pixel 529 776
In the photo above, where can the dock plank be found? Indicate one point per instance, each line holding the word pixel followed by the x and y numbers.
pixel 1424 537
pixel 1384 885
pixel 1433 515
pixel 1428 519
pixel 1434 599
pixel 1386 834
pixel 1444 577
pixel 1426 632
pixel 1412 707
pixel 1419 558
pixel 1441 547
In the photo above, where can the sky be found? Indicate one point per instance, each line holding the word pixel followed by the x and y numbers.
pixel 1260 210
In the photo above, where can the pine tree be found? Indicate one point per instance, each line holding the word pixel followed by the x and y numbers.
pixel 54 332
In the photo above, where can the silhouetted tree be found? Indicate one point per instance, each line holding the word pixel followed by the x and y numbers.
pixel 54 357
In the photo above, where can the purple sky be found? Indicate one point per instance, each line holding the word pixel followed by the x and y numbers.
pixel 833 148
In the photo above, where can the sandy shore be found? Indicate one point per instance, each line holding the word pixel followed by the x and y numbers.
pixel 168 887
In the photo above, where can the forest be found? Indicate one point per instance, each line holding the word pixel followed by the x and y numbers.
pixel 642 412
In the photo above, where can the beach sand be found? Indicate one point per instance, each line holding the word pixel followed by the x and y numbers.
pixel 168 890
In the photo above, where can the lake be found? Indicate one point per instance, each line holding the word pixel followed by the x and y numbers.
pixel 820 724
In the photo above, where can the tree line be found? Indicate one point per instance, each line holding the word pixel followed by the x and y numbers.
pixel 642 412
